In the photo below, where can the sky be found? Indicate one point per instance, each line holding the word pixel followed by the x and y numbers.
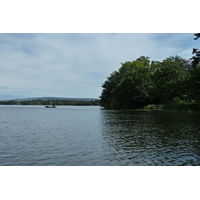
pixel 77 64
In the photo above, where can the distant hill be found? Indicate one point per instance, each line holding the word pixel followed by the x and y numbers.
pixel 52 98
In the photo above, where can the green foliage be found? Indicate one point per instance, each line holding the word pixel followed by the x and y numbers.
pixel 178 100
pixel 170 79
pixel 196 59
pixel 129 87
pixel 133 89
pixel 195 84
pixel 141 82
pixel 109 85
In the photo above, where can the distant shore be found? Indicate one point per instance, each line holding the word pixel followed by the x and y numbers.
pixel 51 102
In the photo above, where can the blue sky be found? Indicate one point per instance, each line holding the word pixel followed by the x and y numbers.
pixel 76 65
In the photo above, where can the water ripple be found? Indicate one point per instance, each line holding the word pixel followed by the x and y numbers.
pixel 89 136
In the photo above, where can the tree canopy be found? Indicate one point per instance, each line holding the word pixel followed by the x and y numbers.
pixel 141 82
pixel 196 58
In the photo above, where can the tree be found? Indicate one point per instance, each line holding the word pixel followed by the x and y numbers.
pixel 196 59
pixel 170 79
pixel 142 82
pixel 133 90
pixel 109 85
pixel 195 84
pixel 129 86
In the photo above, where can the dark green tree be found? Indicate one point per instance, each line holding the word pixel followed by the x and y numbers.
pixel 109 85
pixel 129 87
pixel 196 58
pixel 195 84
pixel 142 82
pixel 170 79
pixel 133 91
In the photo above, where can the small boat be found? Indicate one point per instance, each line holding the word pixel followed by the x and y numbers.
pixel 50 106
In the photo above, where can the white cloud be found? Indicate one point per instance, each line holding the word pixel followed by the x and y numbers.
pixel 76 65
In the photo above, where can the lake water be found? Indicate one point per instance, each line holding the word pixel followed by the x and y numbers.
pixel 90 136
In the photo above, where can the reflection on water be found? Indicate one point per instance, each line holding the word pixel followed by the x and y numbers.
pixel 151 138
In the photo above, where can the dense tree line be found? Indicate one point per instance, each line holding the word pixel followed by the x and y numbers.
pixel 49 102
pixel 142 81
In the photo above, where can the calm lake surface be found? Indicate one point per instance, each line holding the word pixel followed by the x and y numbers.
pixel 90 136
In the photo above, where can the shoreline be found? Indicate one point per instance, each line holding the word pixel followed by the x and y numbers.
pixel 142 110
